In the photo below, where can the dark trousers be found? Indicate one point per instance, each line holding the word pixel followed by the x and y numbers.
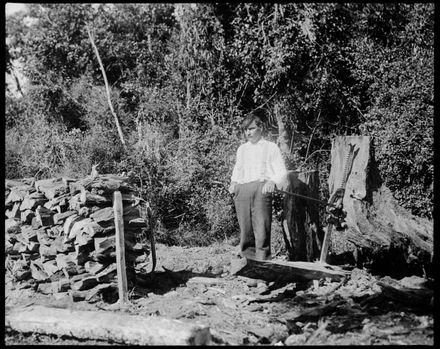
pixel 254 213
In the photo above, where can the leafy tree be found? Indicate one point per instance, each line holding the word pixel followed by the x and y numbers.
pixel 182 78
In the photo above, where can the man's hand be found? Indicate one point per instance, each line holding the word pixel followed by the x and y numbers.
pixel 231 188
pixel 268 187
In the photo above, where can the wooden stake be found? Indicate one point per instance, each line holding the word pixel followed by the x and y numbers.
pixel 120 248
pixel 326 243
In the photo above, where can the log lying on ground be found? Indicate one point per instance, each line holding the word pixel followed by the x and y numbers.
pixel 380 234
pixel 285 271
pixel 108 326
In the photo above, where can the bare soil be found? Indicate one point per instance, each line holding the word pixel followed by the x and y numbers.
pixel 194 285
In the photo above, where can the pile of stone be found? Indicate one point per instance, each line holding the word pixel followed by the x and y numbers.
pixel 60 235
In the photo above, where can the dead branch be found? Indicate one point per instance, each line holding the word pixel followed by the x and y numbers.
pixel 121 136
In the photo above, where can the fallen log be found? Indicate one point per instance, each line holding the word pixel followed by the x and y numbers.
pixel 416 297
pixel 108 326
pixel 286 271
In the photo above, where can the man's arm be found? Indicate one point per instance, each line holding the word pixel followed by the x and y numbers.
pixel 279 171
pixel 236 172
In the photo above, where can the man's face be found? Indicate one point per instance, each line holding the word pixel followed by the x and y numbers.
pixel 253 132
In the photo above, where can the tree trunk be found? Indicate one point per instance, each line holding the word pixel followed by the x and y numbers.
pixel 379 234
pixel 283 134
pixel 301 217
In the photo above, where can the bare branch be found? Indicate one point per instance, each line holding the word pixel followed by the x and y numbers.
pixel 121 136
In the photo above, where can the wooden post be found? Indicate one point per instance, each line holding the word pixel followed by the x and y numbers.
pixel 301 216
pixel 120 248
pixel 326 243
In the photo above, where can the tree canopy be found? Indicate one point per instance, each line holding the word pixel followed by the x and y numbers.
pixel 183 76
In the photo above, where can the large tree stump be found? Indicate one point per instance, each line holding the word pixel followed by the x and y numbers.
pixel 380 234
pixel 301 217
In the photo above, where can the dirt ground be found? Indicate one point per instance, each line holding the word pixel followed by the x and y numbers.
pixel 194 285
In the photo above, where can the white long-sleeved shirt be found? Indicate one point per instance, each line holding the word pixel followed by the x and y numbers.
pixel 258 162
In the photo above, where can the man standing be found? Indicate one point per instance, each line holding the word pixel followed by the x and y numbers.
pixel 258 168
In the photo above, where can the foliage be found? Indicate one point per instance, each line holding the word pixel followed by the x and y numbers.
pixel 182 78
pixel 193 189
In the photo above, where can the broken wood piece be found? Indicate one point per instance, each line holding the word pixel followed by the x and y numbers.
pixel 51 187
pixel 86 283
pixel 13 183
pixel 36 224
pixel 26 216
pixel 15 212
pixel 61 246
pixel 62 285
pixel 82 253
pixel 77 296
pixel 57 276
pixel 50 267
pixel 59 218
pixel 75 202
pixel 104 256
pixel 108 326
pixel 76 228
pixel 65 260
pixel 38 272
pixel 286 271
pixel 15 195
pixel 19 247
pixel 69 222
pixel 33 246
pixel 29 203
pixel 12 225
pixel 44 216
pixel 93 267
pixel 418 297
pixel 206 281
pixel 48 252
pixel 89 199
pixel 78 277
pixel 62 201
pixel 28 233
pixel 103 215
pixel 108 273
pixel 319 311
pixel 94 294
pixel 43 238
pixel 103 243
pixel 45 288
pixel 83 239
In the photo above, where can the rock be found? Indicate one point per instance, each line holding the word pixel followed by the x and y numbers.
pixel 295 339
pixel 413 282
pixel 12 225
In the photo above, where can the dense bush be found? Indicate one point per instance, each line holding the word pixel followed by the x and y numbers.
pixel 183 76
